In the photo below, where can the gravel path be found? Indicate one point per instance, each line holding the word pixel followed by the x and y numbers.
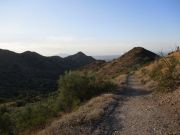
pixel 137 113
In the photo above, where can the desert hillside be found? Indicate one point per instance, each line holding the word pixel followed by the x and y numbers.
pixel 140 93
pixel 89 67
pixel 128 62
pixel 134 105
pixel 32 72
pixel 167 67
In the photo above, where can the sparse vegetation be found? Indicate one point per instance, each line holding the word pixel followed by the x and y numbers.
pixel 82 121
pixel 128 62
pixel 16 120
pixel 30 74
pixel 74 89
pixel 5 121
pixel 31 111
pixel 77 87
pixel 165 73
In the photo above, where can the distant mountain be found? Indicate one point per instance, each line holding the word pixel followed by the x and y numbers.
pixel 31 71
pixel 106 57
pixel 129 61
pixel 79 59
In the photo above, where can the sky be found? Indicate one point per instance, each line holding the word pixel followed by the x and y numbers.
pixel 96 27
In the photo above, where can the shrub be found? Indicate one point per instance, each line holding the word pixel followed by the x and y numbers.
pixel 166 74
pixel 20 103
pixel 6 124
pixel 32 116
pixel 77 87
pixel 74 89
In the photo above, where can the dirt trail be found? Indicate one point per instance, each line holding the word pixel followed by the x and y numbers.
pixel 136 113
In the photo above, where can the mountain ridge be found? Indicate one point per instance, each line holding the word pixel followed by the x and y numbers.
pixel 127 62
pixel 32 71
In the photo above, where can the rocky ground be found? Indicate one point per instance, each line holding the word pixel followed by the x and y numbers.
pixel 139 112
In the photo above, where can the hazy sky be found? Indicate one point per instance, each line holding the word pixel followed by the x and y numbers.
pixel 96 27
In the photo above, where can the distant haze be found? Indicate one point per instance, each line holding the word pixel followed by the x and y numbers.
pixel 100 57
pixel 106 57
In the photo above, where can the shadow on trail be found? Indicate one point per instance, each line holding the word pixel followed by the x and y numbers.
pixel 109 124
pixel 106 123
pixel 128 91
pixel 132 88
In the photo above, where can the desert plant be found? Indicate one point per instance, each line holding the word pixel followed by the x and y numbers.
pixel 166 74
pixel 77 87
pixel 74 89
pixel 6 125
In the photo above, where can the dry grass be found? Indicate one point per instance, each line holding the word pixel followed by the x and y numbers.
pixel 128 62
pixel 82 120
pixel 144 78
pixel 143 73
pixel 121 79
pixel 9 104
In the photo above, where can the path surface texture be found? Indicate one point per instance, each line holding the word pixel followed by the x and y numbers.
pixel 136 113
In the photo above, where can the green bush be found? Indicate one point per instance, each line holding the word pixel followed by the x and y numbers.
pixel 17 120
pixel 77 87
pixel 6 125
pixel 33 116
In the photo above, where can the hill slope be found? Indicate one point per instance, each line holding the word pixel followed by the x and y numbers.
pixel 79 59
pixel 158 74
pixel 135 108
pixel 32 71
pixel 131 60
